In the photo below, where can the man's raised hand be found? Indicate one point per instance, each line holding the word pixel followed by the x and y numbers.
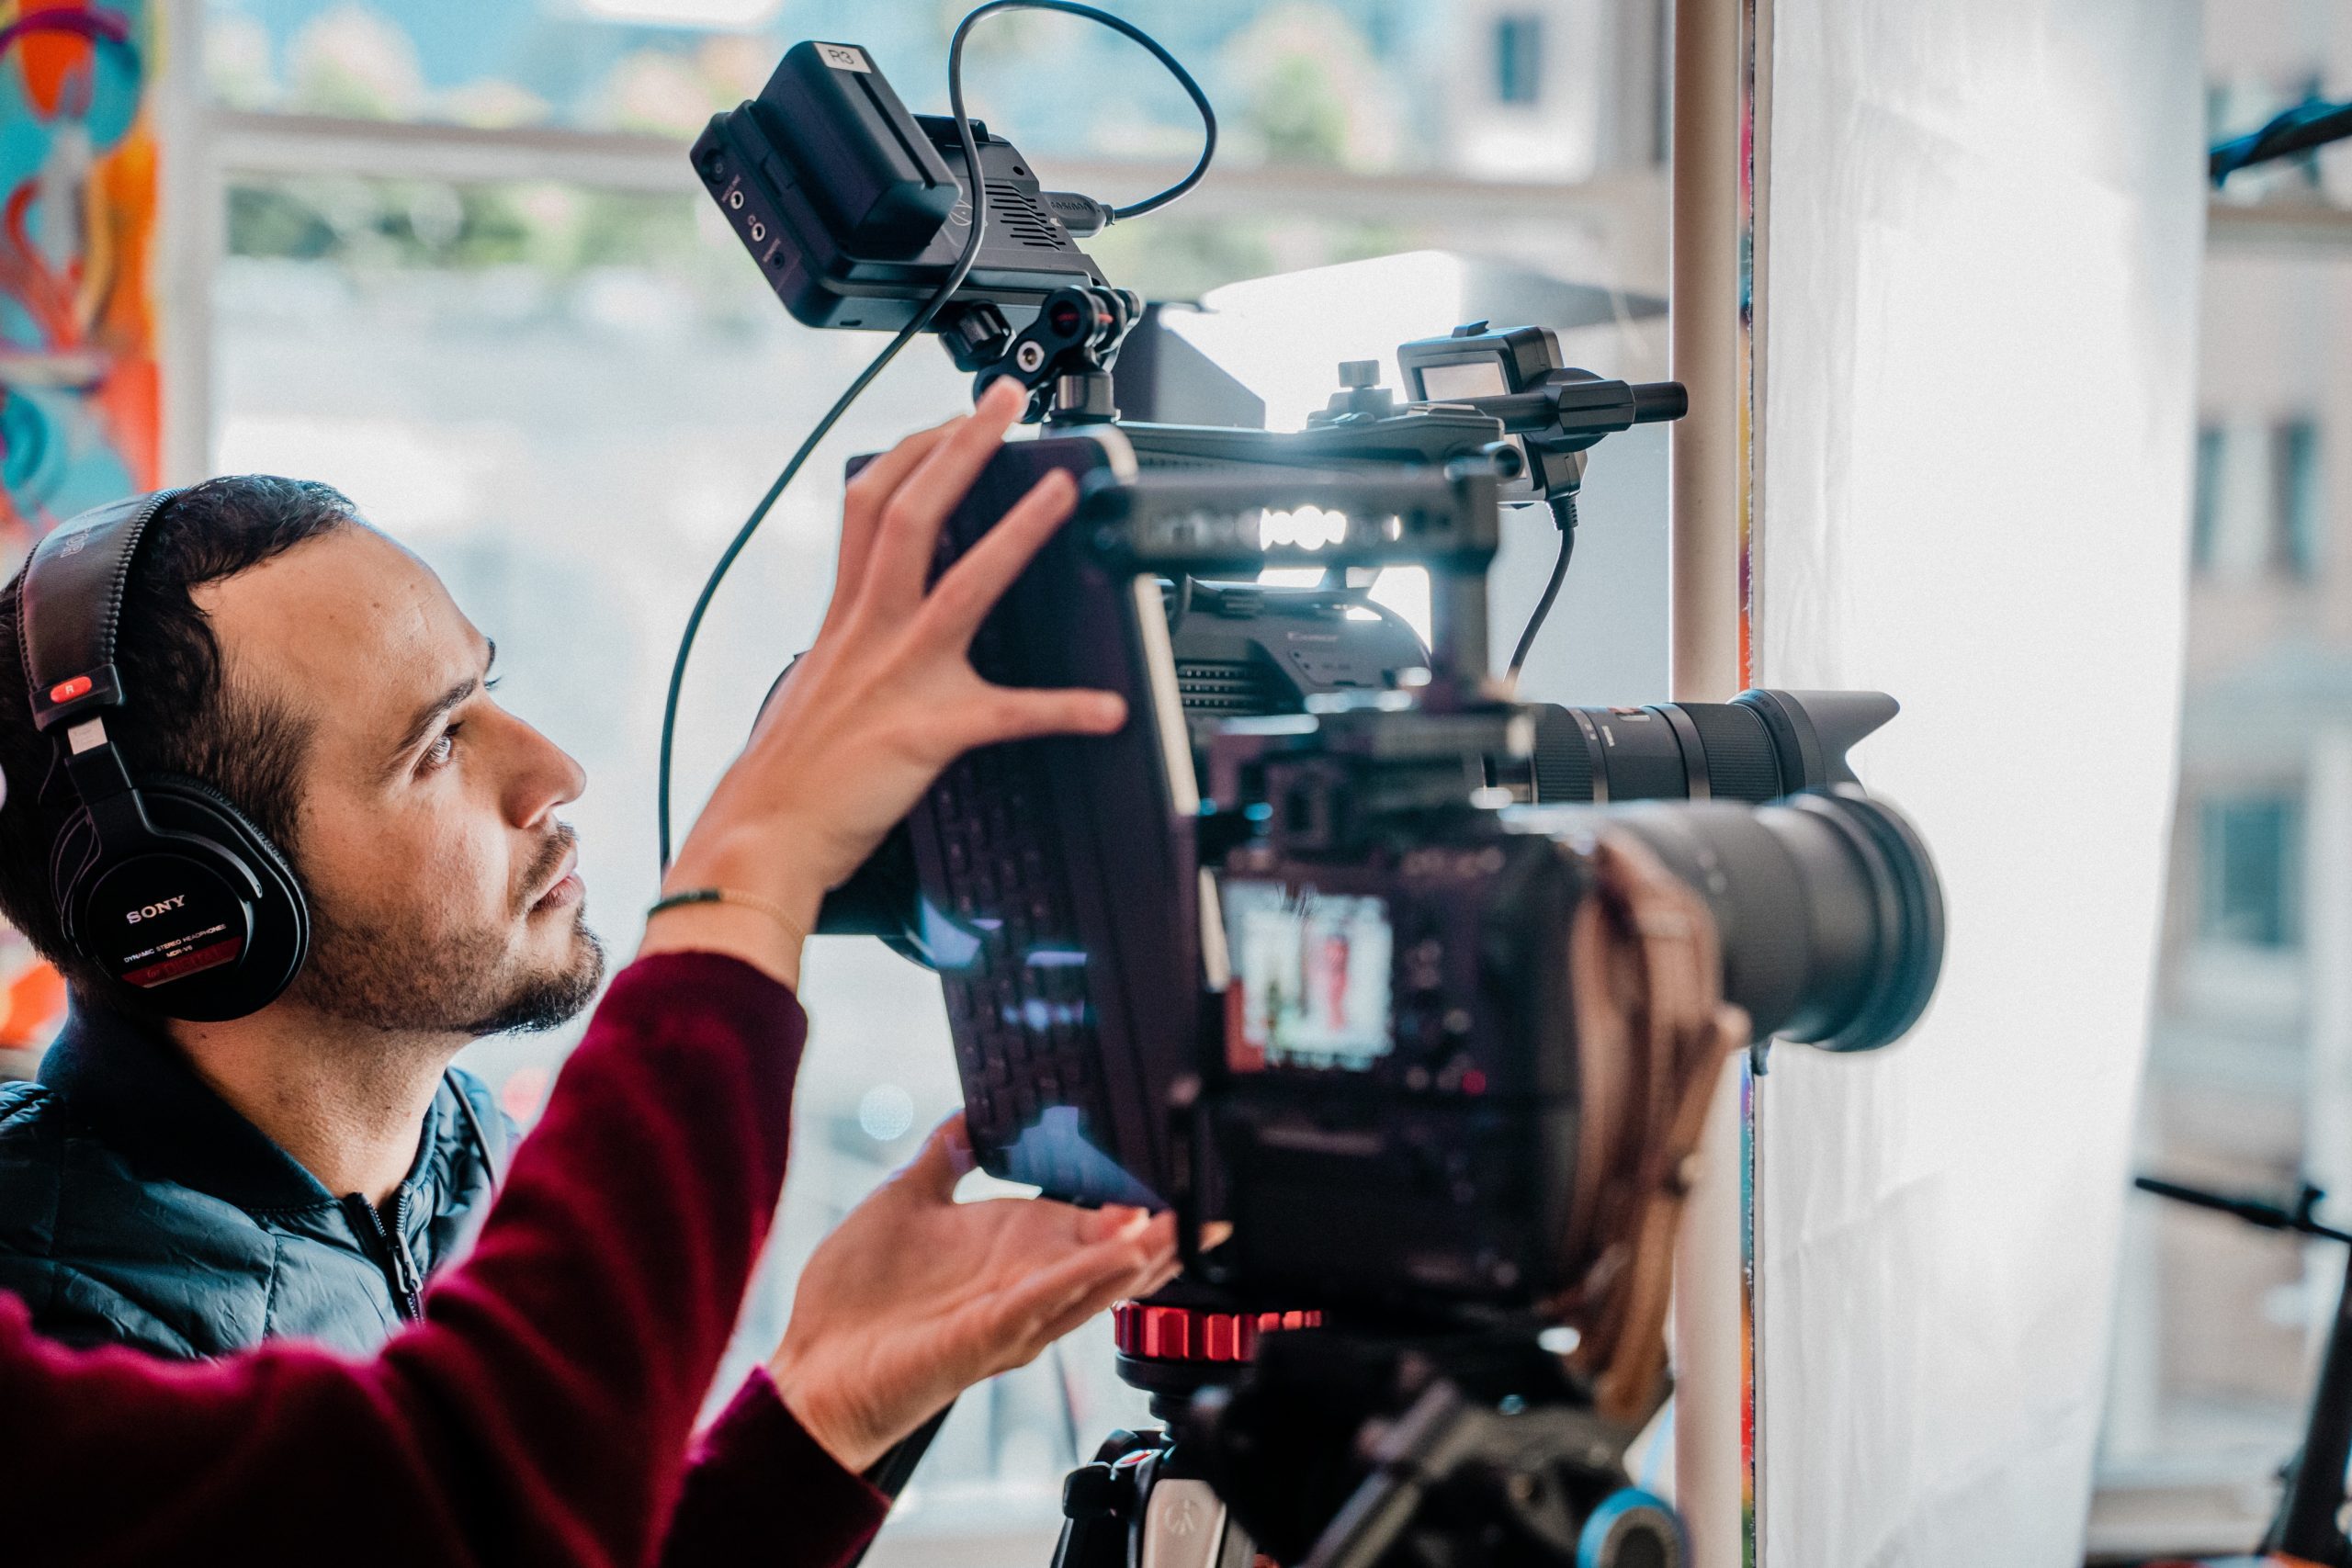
pixel 885 699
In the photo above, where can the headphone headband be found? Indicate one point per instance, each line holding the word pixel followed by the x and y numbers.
pixel 70 606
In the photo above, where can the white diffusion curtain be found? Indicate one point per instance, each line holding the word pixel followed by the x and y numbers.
pixel 1983 231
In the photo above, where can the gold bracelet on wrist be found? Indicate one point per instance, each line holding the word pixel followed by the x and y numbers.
pixel 767 907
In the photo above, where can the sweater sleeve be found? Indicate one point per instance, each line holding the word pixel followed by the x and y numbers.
pixel 759 1489
pixel 536 1414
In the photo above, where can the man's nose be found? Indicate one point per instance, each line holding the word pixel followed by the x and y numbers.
pixel 547 781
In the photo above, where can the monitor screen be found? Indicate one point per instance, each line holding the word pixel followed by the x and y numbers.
pixel 1468 378
pixel 1310 983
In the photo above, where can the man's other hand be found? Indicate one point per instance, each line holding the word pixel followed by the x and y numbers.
pixel 917 1297
pixel 884 699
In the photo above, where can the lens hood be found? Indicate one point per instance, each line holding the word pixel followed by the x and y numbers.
pixel 1910 914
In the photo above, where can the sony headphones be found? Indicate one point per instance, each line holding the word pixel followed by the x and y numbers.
pixel 162 883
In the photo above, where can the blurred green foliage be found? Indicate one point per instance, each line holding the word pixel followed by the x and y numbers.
pixel 368 223
pixel 361 226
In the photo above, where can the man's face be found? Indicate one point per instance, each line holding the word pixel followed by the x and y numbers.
pixel 444 898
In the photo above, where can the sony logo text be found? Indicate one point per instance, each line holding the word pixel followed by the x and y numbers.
pixel 150 911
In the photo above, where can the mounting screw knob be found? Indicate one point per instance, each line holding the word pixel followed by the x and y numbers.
pixel 1356 373
pixel 1089 1492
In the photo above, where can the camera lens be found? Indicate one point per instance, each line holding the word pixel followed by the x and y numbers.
pixel 1829 910
pixel 1757 747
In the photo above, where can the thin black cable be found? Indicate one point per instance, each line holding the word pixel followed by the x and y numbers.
pixel 977 187
pixel 735 547
pixel 1125 29
pixel 1568 518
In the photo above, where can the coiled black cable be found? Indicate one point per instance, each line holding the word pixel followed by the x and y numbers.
pixel 978 193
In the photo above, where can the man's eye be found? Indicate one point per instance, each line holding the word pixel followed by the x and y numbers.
pixel 443 745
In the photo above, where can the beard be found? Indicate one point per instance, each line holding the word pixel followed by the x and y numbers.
pixel 407 971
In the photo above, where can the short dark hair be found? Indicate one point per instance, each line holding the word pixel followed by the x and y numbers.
pixel 183 716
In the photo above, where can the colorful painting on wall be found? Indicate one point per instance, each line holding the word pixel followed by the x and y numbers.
pixel 79 393
pixel 80 414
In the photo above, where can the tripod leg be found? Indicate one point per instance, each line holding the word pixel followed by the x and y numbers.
pixel 2307 1525
pixel 1185 1525
pixel 1103 1501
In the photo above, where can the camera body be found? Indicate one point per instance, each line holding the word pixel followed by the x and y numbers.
pixel 1392 1122
pixel 1307 972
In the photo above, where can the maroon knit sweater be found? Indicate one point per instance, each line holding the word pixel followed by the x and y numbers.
pixel 540 1412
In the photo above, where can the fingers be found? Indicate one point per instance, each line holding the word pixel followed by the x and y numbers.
pixel 868 492
pixel 1151 1263
pixel 970 589
pixel 897 565
pixel 1102 1270
pixel 1103 1223
pixel 1155 1266
pixel 1009 713
pixel 944 1160
pixel 1734 1030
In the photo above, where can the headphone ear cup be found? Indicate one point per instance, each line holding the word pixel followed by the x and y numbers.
pixel 281 939
pixel 201 826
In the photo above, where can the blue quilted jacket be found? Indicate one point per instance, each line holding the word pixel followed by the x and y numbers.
pixel 138 1207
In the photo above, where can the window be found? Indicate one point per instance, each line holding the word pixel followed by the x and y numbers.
pixel 2296 497
pixel 2205 515
pixel 2259 507
pixel 1519 59
pixel 2250 873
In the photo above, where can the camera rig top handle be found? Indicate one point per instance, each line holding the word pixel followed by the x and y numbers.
pixel 1557 411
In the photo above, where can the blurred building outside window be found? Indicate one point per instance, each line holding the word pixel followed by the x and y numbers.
pixel 2248 1085
pixel 2249 872
pixel 2204 521
pixel 1519 59
pixel 463 270
pixel 2298 503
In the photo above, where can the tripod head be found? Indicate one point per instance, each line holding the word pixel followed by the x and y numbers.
pixel 1351 1446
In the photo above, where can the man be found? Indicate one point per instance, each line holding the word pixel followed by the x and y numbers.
pixel 537 1412
pixel 188 1189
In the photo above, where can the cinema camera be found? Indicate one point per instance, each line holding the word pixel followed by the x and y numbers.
pixel 1291 953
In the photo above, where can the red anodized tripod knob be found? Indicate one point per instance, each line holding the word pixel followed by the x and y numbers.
pixel 1146 1333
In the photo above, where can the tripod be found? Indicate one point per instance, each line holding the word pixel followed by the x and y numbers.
pixel 2308 1524
pixel 1340 1447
